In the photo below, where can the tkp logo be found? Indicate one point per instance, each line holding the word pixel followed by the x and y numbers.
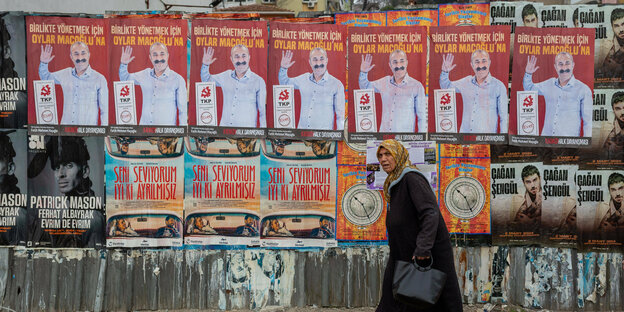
pixel 284 95
pixel 125 91
pixel 206 92
pixel 46 91
pixel 528 101
pixel 365 99
pixel 446 99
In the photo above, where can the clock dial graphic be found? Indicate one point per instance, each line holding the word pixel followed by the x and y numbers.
pixel 464 197
pixel 362 206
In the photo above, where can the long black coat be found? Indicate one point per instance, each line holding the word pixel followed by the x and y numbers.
pixel 416 227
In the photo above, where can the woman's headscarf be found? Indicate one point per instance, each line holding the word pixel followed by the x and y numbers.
pixel 401 156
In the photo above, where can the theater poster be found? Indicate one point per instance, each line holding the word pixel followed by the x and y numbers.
pixel 228 89
pixel 474 14
pixel 423 17
pixel 306 83
pixel 600 221
pixel 516 174
pixel 144 191
pixel 68 75
pixel 298 193
pixel 559 205
pixel 361 213
pixel 148 64
pixel 66 207
pixel 559 16
pixel 222 191
pixel 13 188
pixel 551 97
pixel 364 19
pixel 351 153
pixel 607 145
pixel 464 197
pixel 13 96
pixel 387 94
pixel 468 97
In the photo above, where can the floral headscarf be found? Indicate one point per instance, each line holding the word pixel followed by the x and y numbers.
pixel 401 156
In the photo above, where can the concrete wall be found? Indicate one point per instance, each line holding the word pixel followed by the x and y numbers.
pixel 72 279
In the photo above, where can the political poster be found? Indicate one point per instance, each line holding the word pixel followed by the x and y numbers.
pixel 144 191
pixel 473 14
pixel 555 15
pixel 363 19
pixel 464 197
pixel 148 64
pixel 13 188
pixel 298 193
pixel 387 101
pixel 307 76
pixel 222 191
pixel 516 174
pixel 422 17
pixel 361 213
pixel 551 98
pixel 516 13
pixel 228 89
pixel 66 192
pixel 13 96
pixel 468 104
pixel 67 95
pixel 607 145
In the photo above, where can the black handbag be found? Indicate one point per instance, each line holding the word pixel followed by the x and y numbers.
pixel 416 286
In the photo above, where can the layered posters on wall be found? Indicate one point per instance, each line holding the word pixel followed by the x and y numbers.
pixel 422 17
pixel 307 76
pixel 551 97
pixel 516 174
pixel 516 13
pixel 228 78
pixel 13 187
pixel 387 94
pixel 474 14
pixel 222 191
pixel 364 19
pixel 13 98
pixel 68 94
pixel 607 145
pixel 298 191
pixel 468 99
pixel 148 64
pixel 351 153
pixel 556 15
pixel 144 191
pixel 361 213
pixel 464 197
pixel 66 191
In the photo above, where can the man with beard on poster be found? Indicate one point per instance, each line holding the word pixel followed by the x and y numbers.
pixel 613 64
pixel 164 91
pixel 7 70
pixel 322 95
pixel 568 101
pixel 610 217
pixel 402 97
pixel 8 185
pixel 85 92
pixel 527 210
pixel 484 97
pixel 69 157
pixel 613 146
pixel 529 16
pixel 247 229
pixel 244 92
pixel 324 229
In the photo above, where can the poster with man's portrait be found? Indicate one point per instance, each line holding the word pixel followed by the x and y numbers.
pixel 13 188
pixel 13 102
pixel 68 75
pixel 66 190
pixel 557 16
pixel 148 64
pixel 607 146
pixel 468 94
pixel 306 83
pixel 228 86
pixel 387 83
pixel 552 86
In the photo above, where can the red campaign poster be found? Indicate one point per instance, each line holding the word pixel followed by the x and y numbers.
pixel 551 97
pixel 468 98
pixel 387 94
pixel 228 77
pixel 306 82
pixel 148 75
pixel 67 75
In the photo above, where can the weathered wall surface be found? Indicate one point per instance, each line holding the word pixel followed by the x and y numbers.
pixel 71 279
